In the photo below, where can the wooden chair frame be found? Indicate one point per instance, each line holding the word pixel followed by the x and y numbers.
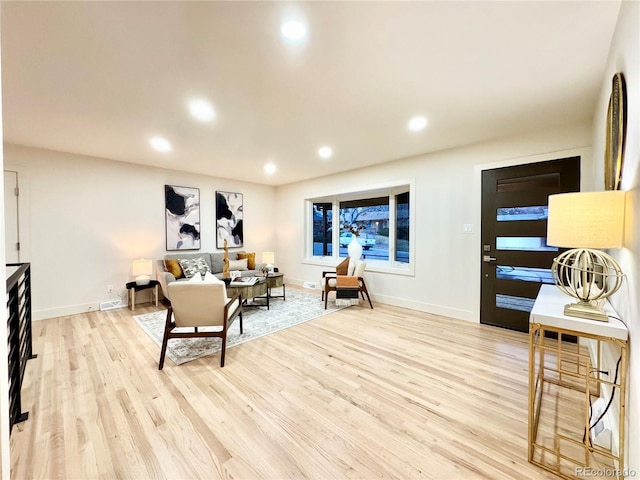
pixel 327 288
pixel 228 321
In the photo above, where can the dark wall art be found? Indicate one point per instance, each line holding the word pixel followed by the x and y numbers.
pixel 182 217
pixel 229 219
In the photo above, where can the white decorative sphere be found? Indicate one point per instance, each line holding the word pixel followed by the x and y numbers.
pixel 586 274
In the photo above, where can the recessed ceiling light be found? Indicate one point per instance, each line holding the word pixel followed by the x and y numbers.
pixel 202 110
pixel 417 123
pixel 160 144
pixel 293 30
pixel 270 168
pixel 325 152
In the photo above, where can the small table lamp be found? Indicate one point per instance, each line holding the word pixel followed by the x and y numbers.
pixel 141 270
pixel 269 259
pixel 588 220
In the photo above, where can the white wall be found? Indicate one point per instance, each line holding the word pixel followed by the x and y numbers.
pixel 624 57
pixel 447 272
pixel 89 218
pixel 4 355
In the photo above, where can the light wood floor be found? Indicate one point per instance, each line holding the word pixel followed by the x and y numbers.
pixel 367 394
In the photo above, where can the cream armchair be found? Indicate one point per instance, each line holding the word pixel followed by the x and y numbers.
pixel 354 269
pixel 200 304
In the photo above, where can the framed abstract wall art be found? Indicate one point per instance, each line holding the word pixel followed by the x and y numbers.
pixel 229 219
pixel 182 217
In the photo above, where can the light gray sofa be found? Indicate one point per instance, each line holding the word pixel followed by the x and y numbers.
pixel 214 261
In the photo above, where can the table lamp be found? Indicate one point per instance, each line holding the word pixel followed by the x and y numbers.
pixel 586 221
pixel 141 270
pixel 269 259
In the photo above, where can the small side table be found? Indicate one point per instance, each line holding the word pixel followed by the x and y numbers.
pixel 276 280
pixel 133 287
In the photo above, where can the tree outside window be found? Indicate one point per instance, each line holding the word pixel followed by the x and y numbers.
pixel 380 223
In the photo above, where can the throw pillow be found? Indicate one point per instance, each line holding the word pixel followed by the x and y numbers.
pixel 173 267
pixel 343 267
pixel 238 264
pixel 211 278
pixel 191 266
pixel 251 259
pixel 208 278
pixel 195 279
pixel 351 268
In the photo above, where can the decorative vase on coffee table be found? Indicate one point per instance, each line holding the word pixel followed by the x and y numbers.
pixel 354 249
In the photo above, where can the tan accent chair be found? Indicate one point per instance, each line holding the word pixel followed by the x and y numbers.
pixel 355 269
pixel 201 304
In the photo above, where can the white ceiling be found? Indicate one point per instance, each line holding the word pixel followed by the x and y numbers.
pixel 101 78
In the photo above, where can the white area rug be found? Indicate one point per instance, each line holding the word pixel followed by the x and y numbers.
pixel 299 307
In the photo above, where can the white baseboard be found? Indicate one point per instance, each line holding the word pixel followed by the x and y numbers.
pixel 426 307
pixel 64 311
pixel 117 301
pixel 442 310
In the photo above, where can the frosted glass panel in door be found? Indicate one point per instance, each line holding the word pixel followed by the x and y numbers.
pixel 515 214
pixel 529 244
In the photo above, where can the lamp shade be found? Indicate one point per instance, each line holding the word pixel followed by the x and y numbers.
pixel 268 258
pixel 141 270
pixel 586 219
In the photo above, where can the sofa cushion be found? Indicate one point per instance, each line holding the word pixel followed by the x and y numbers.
pixel 217 262
pixel 251 259
pixel 191 266
pixel 172 266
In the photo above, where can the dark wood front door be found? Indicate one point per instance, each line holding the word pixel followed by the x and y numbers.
pixel 515 257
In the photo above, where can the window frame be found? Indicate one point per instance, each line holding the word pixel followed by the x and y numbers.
pixel 390 189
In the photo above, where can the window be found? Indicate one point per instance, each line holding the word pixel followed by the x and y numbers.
pixel 370 216
pixel 402 227
pixel 381 217
pixel 322 214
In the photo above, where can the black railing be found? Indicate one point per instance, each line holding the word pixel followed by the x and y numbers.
pixel 20 341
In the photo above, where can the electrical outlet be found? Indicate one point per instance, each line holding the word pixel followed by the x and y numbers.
pixel 109 288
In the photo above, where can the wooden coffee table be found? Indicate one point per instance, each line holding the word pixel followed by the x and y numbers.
pixel 259 289
pixel 276 280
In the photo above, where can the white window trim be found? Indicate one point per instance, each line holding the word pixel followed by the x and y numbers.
pixel 391 189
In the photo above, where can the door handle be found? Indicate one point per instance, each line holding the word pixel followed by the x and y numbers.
pixel 488 259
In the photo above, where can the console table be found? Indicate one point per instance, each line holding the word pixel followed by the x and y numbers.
pixel 555 365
